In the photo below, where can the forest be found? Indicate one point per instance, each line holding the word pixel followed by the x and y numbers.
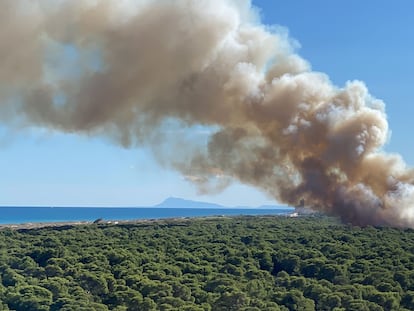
pixel 261 263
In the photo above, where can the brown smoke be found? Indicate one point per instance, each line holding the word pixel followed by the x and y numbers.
pixel 144 72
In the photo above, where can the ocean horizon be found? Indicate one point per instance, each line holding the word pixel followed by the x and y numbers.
pixel 36 214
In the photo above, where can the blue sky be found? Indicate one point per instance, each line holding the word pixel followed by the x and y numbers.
pixel 372 42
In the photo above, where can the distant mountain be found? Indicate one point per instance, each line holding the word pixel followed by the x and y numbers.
pixel 273 206
pixel 182 203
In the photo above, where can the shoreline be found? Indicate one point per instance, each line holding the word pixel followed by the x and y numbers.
pixel 40 225
pixel 20 219
pixel 58 224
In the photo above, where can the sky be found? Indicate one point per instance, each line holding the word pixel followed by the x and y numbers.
pixel 351 40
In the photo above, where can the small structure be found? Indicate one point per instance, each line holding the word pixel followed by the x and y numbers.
pixel 302 210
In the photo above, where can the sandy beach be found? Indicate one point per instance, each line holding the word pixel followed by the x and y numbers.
pixel 38 225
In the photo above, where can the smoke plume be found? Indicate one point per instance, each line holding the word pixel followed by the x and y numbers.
pixel 214 93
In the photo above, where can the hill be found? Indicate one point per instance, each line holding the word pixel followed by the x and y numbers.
pixel 182 203
pixel 174 202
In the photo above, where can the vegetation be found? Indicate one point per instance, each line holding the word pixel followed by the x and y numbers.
pixel 241 263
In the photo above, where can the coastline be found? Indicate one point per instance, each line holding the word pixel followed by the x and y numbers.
pixel 61 224
pixel 39 225
pixel 28 218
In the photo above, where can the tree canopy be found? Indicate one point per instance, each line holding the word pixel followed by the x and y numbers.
pixel 236 263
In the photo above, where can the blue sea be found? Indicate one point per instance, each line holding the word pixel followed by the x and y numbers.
pixel 19 215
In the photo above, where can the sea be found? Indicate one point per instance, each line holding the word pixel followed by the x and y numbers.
pixel 21 215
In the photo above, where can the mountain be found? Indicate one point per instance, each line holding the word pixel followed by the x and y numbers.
pixel 182 203
pixel 272 206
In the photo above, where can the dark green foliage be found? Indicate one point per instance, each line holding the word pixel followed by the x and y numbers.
pixel 241 263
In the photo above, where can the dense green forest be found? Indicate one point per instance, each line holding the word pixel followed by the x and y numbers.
pixel 240 263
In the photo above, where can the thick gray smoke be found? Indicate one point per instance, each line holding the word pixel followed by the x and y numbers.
pixel 141 72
